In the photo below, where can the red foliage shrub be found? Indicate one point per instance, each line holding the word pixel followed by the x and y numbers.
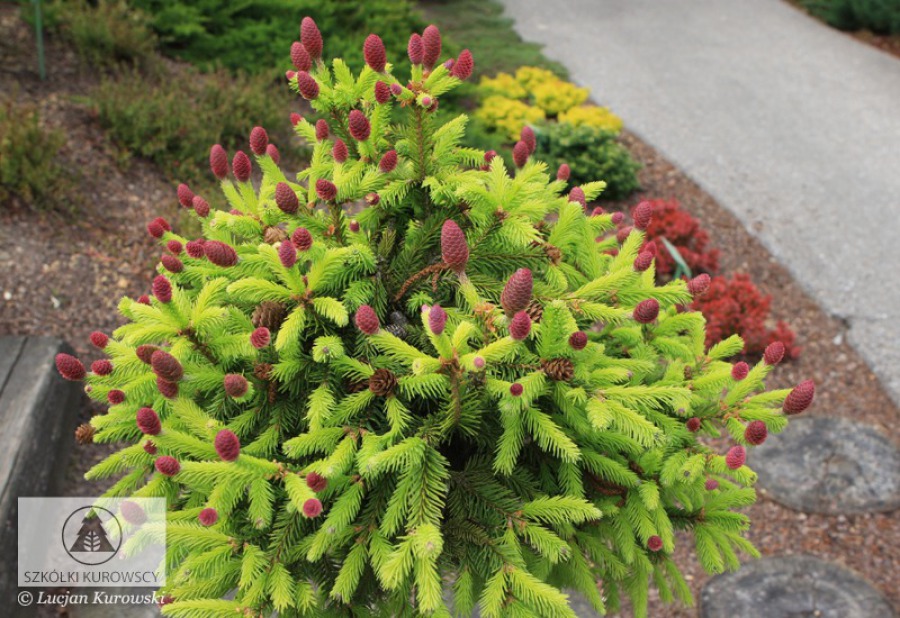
pixel 737 307
pixel 684 232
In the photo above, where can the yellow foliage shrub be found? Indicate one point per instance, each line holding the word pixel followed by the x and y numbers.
pixel 531 77
pixel 507 116
pixel 592 116
pixel 503 84
pixel 557 96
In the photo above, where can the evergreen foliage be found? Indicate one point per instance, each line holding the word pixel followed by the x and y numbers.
pixel 402 421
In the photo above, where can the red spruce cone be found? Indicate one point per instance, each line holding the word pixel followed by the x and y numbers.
pixel 654 543
pixel 171 263
pixel 623 234
pixel 693 424
pixel 756 433
pixel 295 119
pixel 698 285
pixel 162 289
pixel 70 367
pixel 800 398
pixel 316 481
pixel 102 367
pixel 437 319
pixel 642 215
pixel 388 162
pixel 711 484
pixel 454 249
pixel 167 466
pixel 287 254
pixel 174 247
pixel 517 292
pixel 115 397
pixel 617 218
pixel 374 54
pixel 145 352
pixel 273 153
pixel 240 165
pixel 598 210
pixel 219 253
pixel 527 136
pixel 740 371
pixel 516 389
pixel 415 49
pixel 307 86
pixel 259 139
pixel 465 64
pixel 359 126
pixel 169 390
pixel 155 229
pixel 578 340
pixel 382 383
pixel 149 447
pixel 366 320
pixel 148 422
pixel 382 92
pixel 646 311
pixel 260 338
pixel 520 326
pixel 643 261
pixel 312 508
pixel 185 195
pixel 194 248
pixel 84 434
pixel 563 172
pixel 285 198
pixel 227 445
pixel 99 340
pixel 300 57
pixel 321 130
pixel 577 195
pixel 520 154
pixel 143 299
pixel 326 190
pixel 201 206
pixel 218 161
pixel 302 239
pixel 431 45
pixel 166 366
pixel 559 369
pixel 208 516
pixel 311 37
pixel 372 199
pixel 132 513
pixel 736 457
pixel 774 353
pixel 236 385
pixel 339 151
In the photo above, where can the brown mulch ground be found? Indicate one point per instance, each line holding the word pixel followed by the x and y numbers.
pixel 63 275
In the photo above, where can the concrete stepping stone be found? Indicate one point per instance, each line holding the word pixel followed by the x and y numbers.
pixel 791 587
pixel 831 466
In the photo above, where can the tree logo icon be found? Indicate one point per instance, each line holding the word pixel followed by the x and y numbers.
pixel 86 535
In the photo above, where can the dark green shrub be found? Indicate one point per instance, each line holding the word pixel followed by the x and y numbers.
pixel 29 169
pixel 255 35
pixel 173 120
pixel 879 16
pixel 590 153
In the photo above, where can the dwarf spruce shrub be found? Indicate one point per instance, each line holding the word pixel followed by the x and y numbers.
pixel 453 398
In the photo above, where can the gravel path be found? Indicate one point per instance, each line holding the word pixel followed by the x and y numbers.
pixel 788 123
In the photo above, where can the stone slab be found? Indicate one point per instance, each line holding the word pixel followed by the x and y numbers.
pixel 38 411
pixel 829 465
pixel 788 123
pixel 792 587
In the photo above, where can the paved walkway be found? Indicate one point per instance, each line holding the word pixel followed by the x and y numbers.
pixel 791 125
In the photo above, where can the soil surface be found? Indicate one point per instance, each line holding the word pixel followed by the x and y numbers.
pixel 64 274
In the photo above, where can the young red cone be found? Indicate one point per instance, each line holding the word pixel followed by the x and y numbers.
pixel 527 136
pixel 219 253
pixel 520 326
pixel 148 422
pixel 285 198
pixel 326 190
pixel 132 513
pixel 643 261
pixel 201 206
pixel 358 125
pixel 311 37
pixel 70 367
pixel 736 457
pixel 367 320
pixel 208 516
pixel 145 352
pixel 693 424
pixel 415 49
pixel 374 54
pixel 316 481
pixel 272 153
pixel 517 292
pixel 382 92
pixel 99 340
pixel 174 247
pixel 577 195
pixel 300 57
pixel 520 154
pixel 654 543
pixel 464 65
pixel 388 162
pixel 169 390
pixel 437 319
pixel 516 389
pixel 339 152
pixel 431 45
pixel 287 253
pixel 115 397
pixel 171 263
pixel 302 239
pixel 563 172
pixel 756 433
pixel 699 284
pixel 578 340
pixel 642 215
pixel 102 367
pixel 740 371
pixel 167 466
pixel 227 444
pixel 646 311
pixel 774 353
pixel 307 86
pixel 162 289
pixel 236 385
pixel 194 248
pixel 259 139
pixel 218 161
pixel 240 165
pixel 295 119
pixel 312 508
pixel 166 366
pixel 260 337
pixel 185 195
pixel 454 248
pixel 321 130
pixel 800 398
